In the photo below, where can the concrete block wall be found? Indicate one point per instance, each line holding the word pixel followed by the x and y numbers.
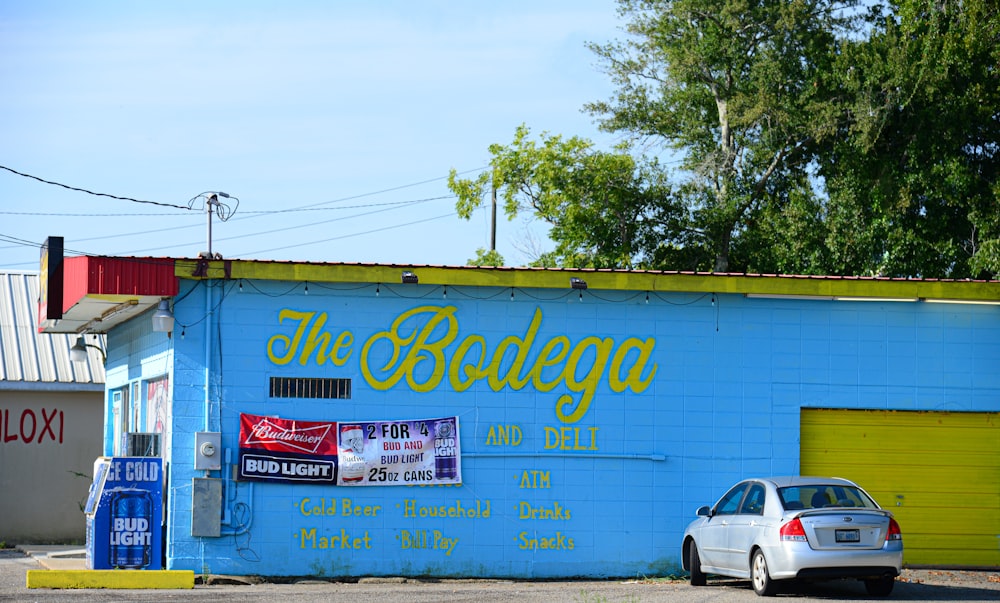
pixel 605 492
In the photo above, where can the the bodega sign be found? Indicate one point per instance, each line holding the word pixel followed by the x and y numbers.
pixel 425 345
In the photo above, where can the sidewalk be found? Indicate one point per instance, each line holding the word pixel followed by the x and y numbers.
pixel 56 557
pixel 65 567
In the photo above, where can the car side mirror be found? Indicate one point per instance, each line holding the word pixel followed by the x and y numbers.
pixel 704 511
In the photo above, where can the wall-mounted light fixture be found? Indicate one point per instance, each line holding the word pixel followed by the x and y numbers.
pixel 577 283
pixel 982 302
pixel 409 277
pixel 878 299
pixel 78 353
pixel 163 318
pixel 780 296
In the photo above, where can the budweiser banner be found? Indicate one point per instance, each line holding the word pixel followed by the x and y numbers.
pixel 281 450
pixel 358 453
pixel 394 453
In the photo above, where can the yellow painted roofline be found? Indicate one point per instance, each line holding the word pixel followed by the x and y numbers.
pixel 621 280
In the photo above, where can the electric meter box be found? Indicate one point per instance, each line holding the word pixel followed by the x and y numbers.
pixel 207 451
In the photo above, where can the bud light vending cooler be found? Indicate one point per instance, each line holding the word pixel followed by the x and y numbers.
pixel 125 514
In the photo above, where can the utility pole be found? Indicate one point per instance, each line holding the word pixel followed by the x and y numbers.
pixel 212 199
pixel 213 205
pixel 493 223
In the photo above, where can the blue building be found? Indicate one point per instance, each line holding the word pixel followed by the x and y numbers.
pixel 350 420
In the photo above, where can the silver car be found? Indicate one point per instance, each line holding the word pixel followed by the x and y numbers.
pixel 783 528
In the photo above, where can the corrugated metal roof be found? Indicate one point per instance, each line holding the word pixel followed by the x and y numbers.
pixel 33 360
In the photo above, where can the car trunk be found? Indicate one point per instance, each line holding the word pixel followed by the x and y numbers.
pixel 830 529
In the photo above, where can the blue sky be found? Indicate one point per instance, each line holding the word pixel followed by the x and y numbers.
pixel 334 123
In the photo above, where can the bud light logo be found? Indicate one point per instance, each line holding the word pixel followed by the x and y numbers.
pixel 131 529
pixel 445 457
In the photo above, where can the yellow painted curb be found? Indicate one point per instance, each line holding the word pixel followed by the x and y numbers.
pixel 123 579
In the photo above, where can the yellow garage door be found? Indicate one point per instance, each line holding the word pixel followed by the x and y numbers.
pixel 938 472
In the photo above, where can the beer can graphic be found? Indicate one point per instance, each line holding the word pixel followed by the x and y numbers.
pixel 350 461
pixel 445 458
pixel 131 529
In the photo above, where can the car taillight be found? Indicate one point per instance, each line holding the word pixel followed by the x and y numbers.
pixel 793 531
pixel 894 533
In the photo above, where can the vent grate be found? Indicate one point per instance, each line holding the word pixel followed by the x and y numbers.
pixel 310 387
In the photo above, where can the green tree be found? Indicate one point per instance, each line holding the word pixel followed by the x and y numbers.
pixel 486 257
pixel 813 137
pixel 738 89
pixel 605 209
pixel 912 175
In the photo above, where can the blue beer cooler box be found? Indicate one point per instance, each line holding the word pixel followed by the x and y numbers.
pixel 125 514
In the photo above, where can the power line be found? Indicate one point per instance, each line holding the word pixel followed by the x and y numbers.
pixel 26 243
pixel 341 207
pixel 311 207
pixel 262 212
pixel 18 241
pixel 259 212
pixel 348 236
pixel 83 190
pixel 387 190
pixel 68 215
pixel 295 227
pixel 161 230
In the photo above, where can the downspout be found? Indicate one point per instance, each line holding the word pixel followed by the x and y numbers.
pixel 208 397
pixel 208 358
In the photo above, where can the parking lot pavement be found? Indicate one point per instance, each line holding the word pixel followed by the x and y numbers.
pixel 924 585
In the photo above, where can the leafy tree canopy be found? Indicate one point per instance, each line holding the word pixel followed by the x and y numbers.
pixel 912 174
pixel 812 136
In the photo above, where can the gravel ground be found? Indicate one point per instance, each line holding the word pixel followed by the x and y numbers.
pixel 925 585
pixel 986 579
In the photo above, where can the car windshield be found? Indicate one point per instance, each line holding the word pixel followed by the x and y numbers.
pixel 817 496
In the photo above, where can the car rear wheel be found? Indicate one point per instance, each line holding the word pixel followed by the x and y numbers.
pixel 880 587
pixel 763 585
pixel 694 562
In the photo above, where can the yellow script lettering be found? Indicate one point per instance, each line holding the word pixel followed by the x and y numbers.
pixel 316 342
pixel 422 347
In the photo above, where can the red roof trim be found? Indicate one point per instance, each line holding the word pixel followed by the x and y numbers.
pixel 90 275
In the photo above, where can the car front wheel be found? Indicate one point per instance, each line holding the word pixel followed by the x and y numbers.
pixel 763 585
pixel 694 562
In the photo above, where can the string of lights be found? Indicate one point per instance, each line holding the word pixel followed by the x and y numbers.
pixel 407 291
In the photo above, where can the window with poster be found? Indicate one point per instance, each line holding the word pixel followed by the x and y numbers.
pixel 157 404
pixel 140 411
